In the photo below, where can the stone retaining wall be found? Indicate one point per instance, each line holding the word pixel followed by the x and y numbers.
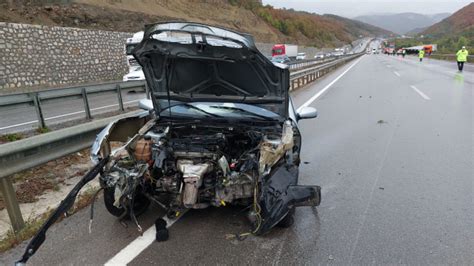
pixel 33 56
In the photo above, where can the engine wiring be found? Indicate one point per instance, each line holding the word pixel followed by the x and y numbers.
pixel 94 197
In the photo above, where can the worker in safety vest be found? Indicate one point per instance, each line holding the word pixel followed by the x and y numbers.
pixel 461 57
pixel 421 54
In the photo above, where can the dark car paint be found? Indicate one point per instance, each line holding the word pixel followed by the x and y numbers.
pixel 187 72
pixel 199 71
pixel 280 193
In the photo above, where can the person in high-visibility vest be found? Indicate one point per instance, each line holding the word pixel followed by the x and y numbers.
pixel 461 57
pixel 421 54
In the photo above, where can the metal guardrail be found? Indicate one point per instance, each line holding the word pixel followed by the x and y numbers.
pixel 308 75
pixel 36 98
pixel 299 64
pixel 24 154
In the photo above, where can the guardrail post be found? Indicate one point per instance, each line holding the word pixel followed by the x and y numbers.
pixel 119 96
pixel 39 111
pixel 11 203
pixel 86 104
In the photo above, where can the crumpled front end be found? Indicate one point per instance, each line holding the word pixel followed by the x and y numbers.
pixel 198 166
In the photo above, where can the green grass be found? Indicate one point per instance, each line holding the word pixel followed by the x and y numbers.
pixel 11 137
pixel 42 130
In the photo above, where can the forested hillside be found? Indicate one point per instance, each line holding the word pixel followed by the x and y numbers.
pixel 266 23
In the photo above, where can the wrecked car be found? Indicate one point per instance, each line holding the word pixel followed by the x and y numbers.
pixel 220 129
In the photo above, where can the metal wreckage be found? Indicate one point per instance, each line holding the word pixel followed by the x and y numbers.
pixel 220 128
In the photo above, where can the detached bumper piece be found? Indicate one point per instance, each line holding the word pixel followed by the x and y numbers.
pixel 280 195
pixel 305 195
pixel 63 207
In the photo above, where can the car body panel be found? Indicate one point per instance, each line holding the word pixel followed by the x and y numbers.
pixel 192 62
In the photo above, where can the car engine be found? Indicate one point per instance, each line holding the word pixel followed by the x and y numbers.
pixel 195 166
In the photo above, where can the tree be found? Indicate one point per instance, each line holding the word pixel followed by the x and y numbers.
pixel 462 41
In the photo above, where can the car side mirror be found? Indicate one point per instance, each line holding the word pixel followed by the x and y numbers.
pixel 307 113
pixel 145 104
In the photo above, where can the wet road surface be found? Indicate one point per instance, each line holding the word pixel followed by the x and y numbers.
pixel 396 170
pixel 23 117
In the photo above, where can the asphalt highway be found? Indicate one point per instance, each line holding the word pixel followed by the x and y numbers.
pixel 393 151
pixel 23 117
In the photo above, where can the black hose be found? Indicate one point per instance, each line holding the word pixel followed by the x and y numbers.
pixel 63 207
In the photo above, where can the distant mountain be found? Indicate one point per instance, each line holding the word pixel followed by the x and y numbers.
pixel 460 22
pixel 416 31
pixel 357 28
pixel 404 22
pixel 264 22
pixel 453 32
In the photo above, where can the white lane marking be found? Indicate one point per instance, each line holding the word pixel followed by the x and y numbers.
pixel 420 93
pixel 132 250
pixel 68 114
pixel 64 115
pixel 317 95
pixel 389 66
pixel 396 73
pixel 18 125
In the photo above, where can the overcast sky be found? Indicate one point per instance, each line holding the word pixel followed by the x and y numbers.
pixel 352 8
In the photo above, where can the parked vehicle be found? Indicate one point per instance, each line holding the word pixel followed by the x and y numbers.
pixel 282 59
pixel 136 73
pixel 285 49
pixel 301 56
pixel 429 49
pixel 130 44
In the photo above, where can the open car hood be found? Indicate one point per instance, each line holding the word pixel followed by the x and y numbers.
pixel 192 62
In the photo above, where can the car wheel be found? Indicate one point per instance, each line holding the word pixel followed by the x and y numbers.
pixel 289 219
pixel 140 205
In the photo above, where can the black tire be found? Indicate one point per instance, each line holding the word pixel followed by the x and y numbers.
pixel 289 219
pixel 140 206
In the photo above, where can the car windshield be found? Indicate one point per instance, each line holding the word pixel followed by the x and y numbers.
pixel 219 110
pixel 189 38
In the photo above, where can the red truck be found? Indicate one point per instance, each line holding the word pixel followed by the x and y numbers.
pixel 285 49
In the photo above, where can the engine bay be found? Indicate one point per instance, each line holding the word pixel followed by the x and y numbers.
pixel 195 166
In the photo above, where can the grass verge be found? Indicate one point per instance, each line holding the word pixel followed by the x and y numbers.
pixel 11 137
